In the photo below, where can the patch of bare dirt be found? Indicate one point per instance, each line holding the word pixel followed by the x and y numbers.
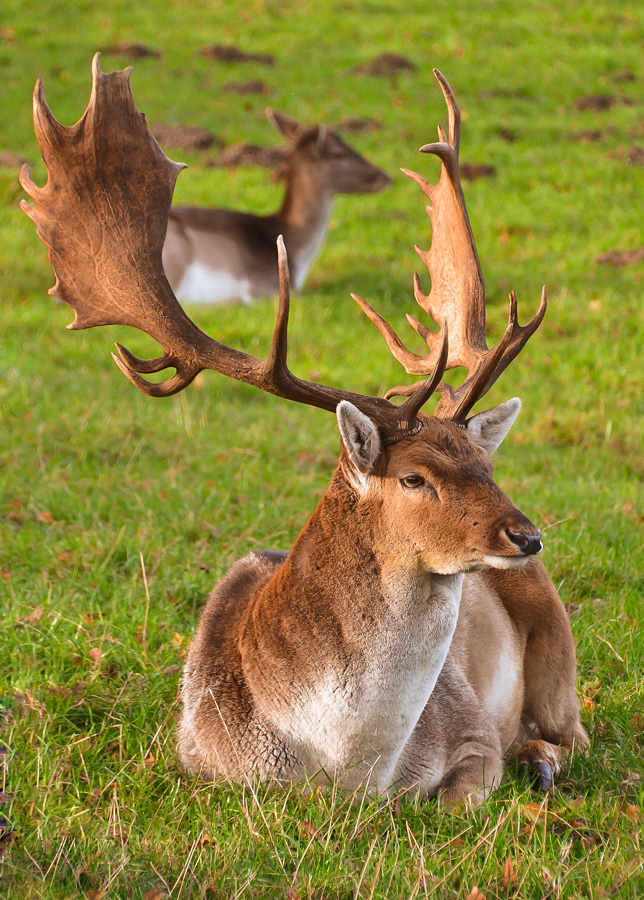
pixel 505 93
pixel 246 87
pixel 507 135
pixel 229 54
pixel 472 171
pixel 130 50
pixel 586 137
pixel 356 125
pixel 634 156
pixel 624 75
pixel 11 160
pixel 621 258
pixel 600 102
pixel 244 154
pixel 596 102
pixel 386 64
pixel 186 137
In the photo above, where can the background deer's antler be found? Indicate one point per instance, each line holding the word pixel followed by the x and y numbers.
pixel 457 297
pixel 103 216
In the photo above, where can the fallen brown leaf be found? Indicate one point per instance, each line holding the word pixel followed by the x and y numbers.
pixel 95 655
pixel 33 617
pixel 25 700
pixel 536 812
pixel 44 516
pixel 475 894
pixel 15 512
pixel 308 829
pixel 509 877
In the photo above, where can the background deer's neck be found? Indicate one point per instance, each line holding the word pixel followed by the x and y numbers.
pixel 304 217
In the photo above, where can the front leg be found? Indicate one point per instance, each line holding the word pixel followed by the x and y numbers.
pixel 454 751
pixel 478 771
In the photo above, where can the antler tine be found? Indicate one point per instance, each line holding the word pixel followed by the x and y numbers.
pixel 453 111
pixel 457 403
pixel 423 391
pixel 103 217
pixel 276 360
pixel 131 366
pixel 407 358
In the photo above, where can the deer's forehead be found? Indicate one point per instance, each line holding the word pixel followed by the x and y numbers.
pixel 440 445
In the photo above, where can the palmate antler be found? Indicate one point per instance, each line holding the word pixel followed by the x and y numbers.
pixel 457 297
pixel 103 216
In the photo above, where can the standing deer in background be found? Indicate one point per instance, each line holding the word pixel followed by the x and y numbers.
pixel 411 637
pixel 218 255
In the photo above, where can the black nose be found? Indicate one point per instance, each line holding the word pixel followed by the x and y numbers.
pixel 528 544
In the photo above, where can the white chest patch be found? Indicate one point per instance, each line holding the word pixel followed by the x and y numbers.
pixel 201 284
pixel 355 723
pixel 307 254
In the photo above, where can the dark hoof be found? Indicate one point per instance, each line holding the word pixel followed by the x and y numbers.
pixel 546 778
pixel 537 774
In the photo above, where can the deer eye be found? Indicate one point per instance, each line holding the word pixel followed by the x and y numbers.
pixel 412 481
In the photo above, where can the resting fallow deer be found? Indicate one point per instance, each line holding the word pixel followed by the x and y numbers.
pixel 411 637
pixel 218 255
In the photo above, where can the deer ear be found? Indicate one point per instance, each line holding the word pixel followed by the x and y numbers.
pixel 287 126
pixel 487 429
pixel 359 436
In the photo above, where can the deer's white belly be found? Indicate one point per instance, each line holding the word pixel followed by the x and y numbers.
pixel 202 284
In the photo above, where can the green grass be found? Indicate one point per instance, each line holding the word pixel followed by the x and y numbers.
pixel 96 478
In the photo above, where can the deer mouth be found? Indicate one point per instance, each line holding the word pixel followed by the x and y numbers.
pixel 522 545
pixel 379 182
pixel 505 562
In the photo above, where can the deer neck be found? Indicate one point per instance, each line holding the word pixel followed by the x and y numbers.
pixel 303 218
pixel 357 641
